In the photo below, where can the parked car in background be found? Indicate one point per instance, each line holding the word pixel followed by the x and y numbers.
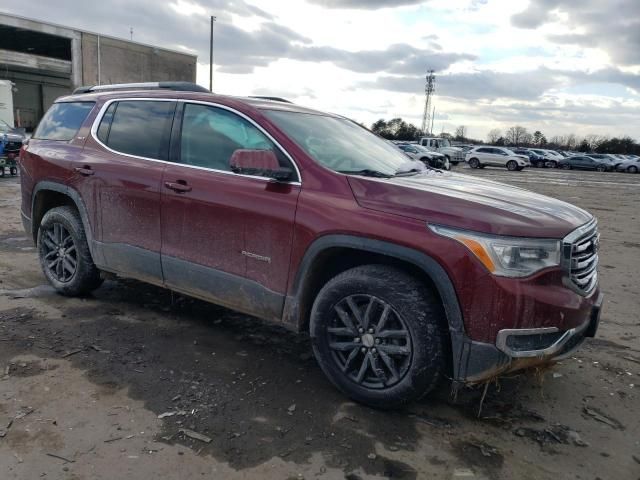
pixel 629 166
pixel 535 159
pixel 552 157
pixel 583 162
pixel 401 277
pixel 443 145
pixel 429 158
pixel 481 157
pixel 606 158
pixel 12 137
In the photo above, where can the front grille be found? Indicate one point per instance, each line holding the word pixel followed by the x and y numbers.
pixel 581 256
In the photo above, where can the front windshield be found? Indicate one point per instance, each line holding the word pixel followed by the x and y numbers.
pixel 339 144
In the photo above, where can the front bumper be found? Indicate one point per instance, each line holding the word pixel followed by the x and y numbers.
pixel 516 349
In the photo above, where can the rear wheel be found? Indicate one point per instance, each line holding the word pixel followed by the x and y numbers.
pixel 377 334
pixel 512 165
pixel 566 166
pixel 632 169
pixel 64 253
pixel 474 163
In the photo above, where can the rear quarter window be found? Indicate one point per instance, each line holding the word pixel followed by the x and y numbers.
pixel 63 120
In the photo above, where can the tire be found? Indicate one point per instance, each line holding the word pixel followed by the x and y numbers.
pixel 410 358
pixel 601 168
pixel 474 163
pixel 565 166
pixel 13 171
pixel 64 253
pixel 512 165
pixel 632 169
pixel 552 164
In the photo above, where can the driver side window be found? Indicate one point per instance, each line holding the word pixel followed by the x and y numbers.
pixel 211 135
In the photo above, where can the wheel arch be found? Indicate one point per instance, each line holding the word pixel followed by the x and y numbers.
pixel 332 254
pixel 47 195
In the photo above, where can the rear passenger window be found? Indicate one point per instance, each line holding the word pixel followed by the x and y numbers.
pixel 138 127
pixel 63 120
pixel 210 135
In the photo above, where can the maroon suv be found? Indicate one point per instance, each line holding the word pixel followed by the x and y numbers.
pixel 401 275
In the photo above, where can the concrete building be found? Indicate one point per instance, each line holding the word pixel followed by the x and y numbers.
pixel 45 61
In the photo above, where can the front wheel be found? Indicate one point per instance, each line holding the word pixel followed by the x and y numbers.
pixel 632 169
pixel 474 163
pixel 601 168
pixel 512 165
pixel 377 333
pixel 64 253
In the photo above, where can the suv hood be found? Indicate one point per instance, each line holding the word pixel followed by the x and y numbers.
pixel 466 202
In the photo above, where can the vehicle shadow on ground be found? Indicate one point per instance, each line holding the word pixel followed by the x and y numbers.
pixel 252 389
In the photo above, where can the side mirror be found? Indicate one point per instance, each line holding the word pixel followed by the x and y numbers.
pixel 262 163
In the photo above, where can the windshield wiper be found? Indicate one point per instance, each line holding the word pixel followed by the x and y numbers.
pixel 366 172
pixel 408 173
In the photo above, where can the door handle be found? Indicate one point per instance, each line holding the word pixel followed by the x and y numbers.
pixel 180 186
pixel 86 170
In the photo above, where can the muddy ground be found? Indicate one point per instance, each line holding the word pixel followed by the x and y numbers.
pixel 83 382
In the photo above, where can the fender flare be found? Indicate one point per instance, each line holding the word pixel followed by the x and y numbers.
pixel 424 262
pixel 75 197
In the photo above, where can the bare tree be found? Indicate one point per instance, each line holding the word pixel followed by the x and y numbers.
pixel 494 135
pixel 517 135
pixel 461 132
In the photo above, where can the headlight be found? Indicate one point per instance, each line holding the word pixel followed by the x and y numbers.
pixel 507 256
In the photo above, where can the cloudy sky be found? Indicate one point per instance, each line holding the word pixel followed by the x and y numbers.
pixel 560 66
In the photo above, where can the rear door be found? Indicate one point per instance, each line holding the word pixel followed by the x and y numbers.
pixel 122 170
pixel 226 237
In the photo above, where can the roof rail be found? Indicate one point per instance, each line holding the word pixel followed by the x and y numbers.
pixel 273 99
pixel 177 86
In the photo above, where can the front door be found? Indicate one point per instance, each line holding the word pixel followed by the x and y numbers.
pixel 226 237
pixel 124 162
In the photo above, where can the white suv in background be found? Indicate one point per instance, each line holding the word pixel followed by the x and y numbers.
pixel 481 157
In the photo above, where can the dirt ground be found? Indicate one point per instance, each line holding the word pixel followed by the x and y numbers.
pixel 118 385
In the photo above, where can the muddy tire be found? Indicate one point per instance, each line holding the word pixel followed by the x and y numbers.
pixel 64 253
pixel 474 163
pixel 512 165
pixel 379 335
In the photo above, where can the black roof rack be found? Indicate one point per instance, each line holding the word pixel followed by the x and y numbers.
pixel 273 99
pixel 177 86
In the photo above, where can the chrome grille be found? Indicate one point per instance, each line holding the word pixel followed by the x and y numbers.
pixel 581 257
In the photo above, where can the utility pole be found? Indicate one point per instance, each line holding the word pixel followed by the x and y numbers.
pixel 213 19
pixel 429 88
pixel 433 119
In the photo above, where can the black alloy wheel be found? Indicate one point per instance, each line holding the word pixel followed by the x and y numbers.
pixel 375 350
pixel 60 253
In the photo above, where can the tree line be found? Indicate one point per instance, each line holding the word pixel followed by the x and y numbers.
pixel 515 136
